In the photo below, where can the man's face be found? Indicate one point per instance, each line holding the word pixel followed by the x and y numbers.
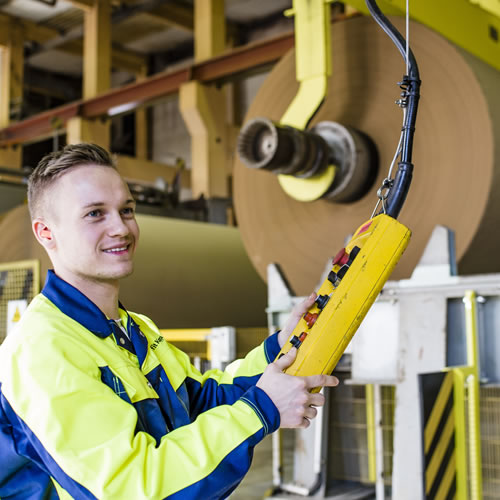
pixel 91 216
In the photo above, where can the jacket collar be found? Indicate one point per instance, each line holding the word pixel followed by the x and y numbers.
pixel 76 305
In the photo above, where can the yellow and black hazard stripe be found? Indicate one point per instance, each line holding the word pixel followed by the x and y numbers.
pixel 439 435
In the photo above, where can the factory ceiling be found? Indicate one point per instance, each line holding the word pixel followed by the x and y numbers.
pixel 151 34
pixel 143 26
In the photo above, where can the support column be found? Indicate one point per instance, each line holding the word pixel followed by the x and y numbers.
pixel 97 49
pixel 141 125
pixel 83 130
pixel 11 87
pixel 204 111
pixel 209 29
pixel 96 73
pixel 204 107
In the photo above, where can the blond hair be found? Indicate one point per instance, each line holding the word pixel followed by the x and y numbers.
pixel 55 164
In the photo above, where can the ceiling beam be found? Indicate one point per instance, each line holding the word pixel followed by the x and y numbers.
pixel 134 95
pixel 122 34
pixel 116 17
pixel 182 17
pixel 128 61
pixel 85 5
pixel 121 59
pixel 173 15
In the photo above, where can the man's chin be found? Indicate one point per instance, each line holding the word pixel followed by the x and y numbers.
pixel 116 275
pixel 124 273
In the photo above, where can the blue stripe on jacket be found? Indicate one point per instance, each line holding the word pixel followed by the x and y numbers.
pixel 15 433
pixel 236 463
pixel 211 394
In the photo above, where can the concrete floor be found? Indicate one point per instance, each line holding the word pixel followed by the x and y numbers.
pixel 258 483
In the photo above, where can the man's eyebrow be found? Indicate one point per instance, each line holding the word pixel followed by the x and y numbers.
pixel 102 203
pixel 94 204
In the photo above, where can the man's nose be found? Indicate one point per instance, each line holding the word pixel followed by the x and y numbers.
pixel 117 225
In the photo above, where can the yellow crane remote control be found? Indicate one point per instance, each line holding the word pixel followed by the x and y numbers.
pixel 359 273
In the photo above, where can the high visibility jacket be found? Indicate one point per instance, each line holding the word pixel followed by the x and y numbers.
pixel 87 414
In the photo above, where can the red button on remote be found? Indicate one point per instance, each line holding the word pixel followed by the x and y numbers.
pixel 310 318
pixel 341 258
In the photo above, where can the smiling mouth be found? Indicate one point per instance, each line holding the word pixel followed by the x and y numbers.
pixel 117 250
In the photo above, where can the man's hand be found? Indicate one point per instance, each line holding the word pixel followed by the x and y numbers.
pixel 297 312
pixel 290 394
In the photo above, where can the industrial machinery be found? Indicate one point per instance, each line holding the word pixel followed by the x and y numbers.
pixel 404 422
pixel 406 416
pixel 428 444
pixel 326 157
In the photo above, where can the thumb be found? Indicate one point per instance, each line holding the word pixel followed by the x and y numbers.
pixel 286 360
pixel 300 309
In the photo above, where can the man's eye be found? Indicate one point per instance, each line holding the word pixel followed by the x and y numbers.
pixel 128 211
pixel 94 213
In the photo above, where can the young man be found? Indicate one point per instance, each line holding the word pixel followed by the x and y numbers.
pixel 94 404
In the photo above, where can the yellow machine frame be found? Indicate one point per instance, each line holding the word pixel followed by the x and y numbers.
pixel 313 62
pixel 471 24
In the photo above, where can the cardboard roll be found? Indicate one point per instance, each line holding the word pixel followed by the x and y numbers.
pixel 456 153
pixel 186 274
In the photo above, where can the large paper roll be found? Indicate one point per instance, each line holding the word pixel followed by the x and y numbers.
pixel 186 274
pixel 457 172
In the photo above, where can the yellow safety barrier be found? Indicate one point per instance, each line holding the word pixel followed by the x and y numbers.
pixel 467 421
pixel 199 335
pixel 19 281
pixel 370 432
pixel 473 392
pixel 450 409
pixel 196 341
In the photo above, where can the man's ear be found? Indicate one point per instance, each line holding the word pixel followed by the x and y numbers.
pixel 43 234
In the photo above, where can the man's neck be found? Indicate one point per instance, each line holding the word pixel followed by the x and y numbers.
pixel 104 294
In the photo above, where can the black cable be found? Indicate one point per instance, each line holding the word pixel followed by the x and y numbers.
pixel 410 86
pixel 394 35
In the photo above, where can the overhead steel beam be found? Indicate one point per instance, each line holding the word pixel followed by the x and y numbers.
pixel 82 4
pixel 177 16
pixel 226 66
pixel 123 59
pixel 116 18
